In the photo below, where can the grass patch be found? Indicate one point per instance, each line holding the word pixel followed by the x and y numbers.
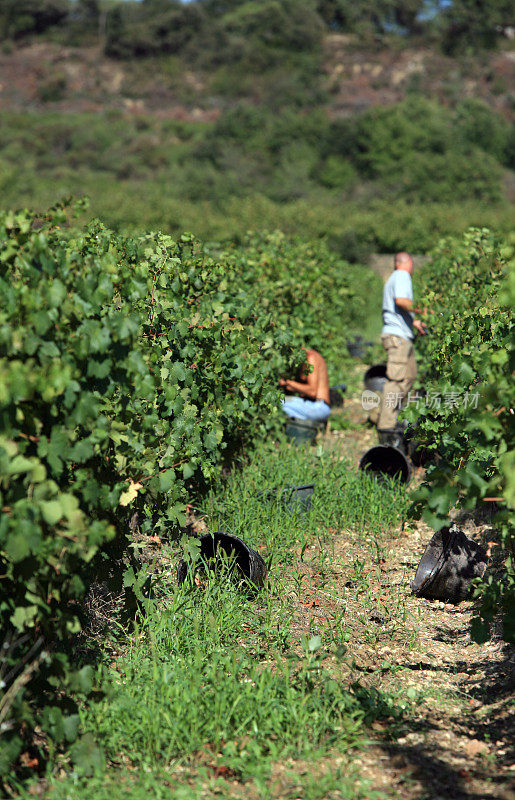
pixel 216 686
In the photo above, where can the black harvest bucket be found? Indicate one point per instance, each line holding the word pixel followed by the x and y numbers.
pixel 449 564
pixel 375 378
pixel 358 348
pixel 336 395
pixel 292 498
pixel 246 560
pixel 302 431
pixel 385 461
pixel 299 498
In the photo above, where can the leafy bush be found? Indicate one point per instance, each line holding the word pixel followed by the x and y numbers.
pixel 53 89
pixel 415 150
pixel 482 128
pixel 423 151
pixel 20 17
pixel 468 363
pixel 254 33
pixel 472 175
pixel 275 25
pixel 337 173
pixel 128 371
pixel 312 293
pixel 151 29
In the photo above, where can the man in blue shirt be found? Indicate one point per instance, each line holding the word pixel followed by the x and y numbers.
pixel 397 338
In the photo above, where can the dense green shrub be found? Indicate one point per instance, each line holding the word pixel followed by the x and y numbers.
pixel 467 418
pixel 423 151
pixel 254 33
pixel 20 17
pixel 482 128
pixel 394 178
pixel 129 369
pixel 275 25
pixel 312 292
pixel 149 29
pixel 471 175
pixel 415 150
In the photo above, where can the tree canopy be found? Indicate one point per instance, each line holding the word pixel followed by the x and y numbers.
pixel 235 27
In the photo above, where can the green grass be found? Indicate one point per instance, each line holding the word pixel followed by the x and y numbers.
pixel 217 681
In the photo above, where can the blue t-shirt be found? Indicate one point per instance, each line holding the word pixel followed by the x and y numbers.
pixel 397 321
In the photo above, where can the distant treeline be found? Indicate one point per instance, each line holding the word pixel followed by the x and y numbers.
pixel 386 179
pixel 222 31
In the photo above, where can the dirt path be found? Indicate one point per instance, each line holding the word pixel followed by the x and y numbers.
pixel 457 740
pixel 448 733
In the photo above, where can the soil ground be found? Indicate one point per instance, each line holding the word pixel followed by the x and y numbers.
pixel 459 743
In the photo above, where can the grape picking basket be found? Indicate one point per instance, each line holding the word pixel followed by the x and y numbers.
pixel 448 565
pixel 246 560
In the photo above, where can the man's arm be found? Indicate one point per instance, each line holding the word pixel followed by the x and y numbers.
pixel 407 305
pixel 301 388
pixel 307 388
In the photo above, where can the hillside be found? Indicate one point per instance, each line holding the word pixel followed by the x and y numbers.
pixel 373 141
pixel 42 75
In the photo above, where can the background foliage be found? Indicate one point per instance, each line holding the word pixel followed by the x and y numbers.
pixel 261 28
pixel 390 178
